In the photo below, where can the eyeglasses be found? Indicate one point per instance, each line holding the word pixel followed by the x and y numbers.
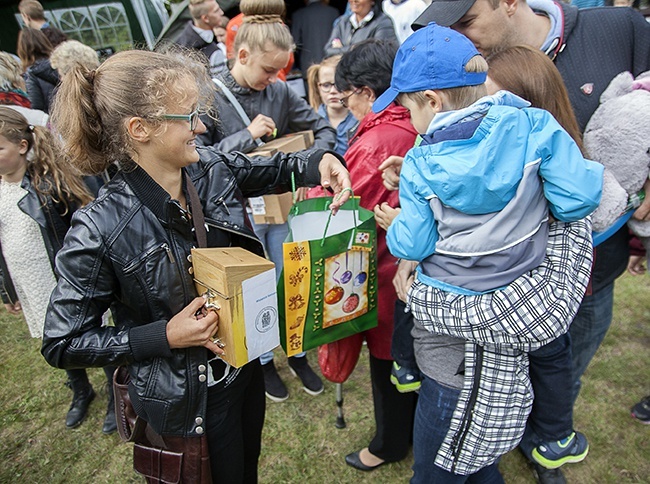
pixel 326 86
pixel 192 118
pixel 344 99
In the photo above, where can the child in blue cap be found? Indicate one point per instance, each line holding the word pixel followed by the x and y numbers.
pixel 493 270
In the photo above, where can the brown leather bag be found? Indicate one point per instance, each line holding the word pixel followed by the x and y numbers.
pixel 160 459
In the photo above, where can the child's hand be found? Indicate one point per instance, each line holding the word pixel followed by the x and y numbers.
pixel 261 126
pixel 404 278
pixel 384 215
pixel 390 169
pixel 301 194
pixel 14 308
pixel 636 265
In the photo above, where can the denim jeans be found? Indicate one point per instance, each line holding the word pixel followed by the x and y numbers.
pixel 272 236
pixel 436 404
pixel 551 377
pixel 587 332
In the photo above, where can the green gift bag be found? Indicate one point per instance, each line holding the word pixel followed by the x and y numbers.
pixel 328 287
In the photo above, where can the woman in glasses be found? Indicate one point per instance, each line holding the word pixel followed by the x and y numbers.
pixel 326 101
pixel 128 250
pixel 362 75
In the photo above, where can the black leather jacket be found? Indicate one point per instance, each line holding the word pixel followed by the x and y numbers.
pixel 128 250
pixel 52 218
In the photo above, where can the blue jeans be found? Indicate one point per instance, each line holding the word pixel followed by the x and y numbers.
pixel 272 236
pixel 551 377
pixel 587 332
pixel 436 404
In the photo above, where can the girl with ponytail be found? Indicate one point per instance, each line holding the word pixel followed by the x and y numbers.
pixel 38 195
pixel 129 250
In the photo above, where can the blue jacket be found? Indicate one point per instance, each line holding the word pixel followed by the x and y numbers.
pixel 475 201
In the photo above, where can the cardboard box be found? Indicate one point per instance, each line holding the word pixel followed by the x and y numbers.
pixel 242 286
pixel 287 144
pixel 271 209
pixel 274 209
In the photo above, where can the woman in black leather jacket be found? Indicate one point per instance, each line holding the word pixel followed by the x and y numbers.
pixel 128 249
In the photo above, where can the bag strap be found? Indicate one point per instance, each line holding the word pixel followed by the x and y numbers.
pixel 354 214
pixel 235 104
pixel 198 219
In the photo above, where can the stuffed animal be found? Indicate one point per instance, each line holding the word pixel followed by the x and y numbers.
pixel 618 136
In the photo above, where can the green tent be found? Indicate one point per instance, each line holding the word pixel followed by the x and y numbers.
pixel 102 24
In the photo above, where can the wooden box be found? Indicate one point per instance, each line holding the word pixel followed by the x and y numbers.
pixel 242 286
pixel 287 144
pixel 271 209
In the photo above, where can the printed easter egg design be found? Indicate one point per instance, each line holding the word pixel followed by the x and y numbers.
pixel 351 303
pixel 346 276
pixel 360 279
pixel 334 295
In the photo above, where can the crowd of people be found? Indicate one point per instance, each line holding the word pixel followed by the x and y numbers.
pixel 458 122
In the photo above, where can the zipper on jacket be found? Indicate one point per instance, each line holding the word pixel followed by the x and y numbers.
pixel 221 201
pixel 459 438
pixel 169 253
pixel 133 265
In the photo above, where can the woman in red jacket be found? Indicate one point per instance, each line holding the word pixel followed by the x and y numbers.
pixel 362 75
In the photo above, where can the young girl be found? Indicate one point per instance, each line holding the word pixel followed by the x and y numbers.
pixel 254 106
pixel 128 250
pixel 38 195
pixel 325 99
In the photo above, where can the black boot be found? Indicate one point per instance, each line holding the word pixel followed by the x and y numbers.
pixel 83 394
pixel 110 424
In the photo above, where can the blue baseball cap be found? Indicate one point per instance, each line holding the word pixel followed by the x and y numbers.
pixel 433 57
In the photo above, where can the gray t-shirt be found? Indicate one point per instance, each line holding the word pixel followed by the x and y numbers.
pixel 439 357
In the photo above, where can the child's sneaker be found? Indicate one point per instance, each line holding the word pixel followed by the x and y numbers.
pixel 641 411
pixel 405 379
pixel 555 454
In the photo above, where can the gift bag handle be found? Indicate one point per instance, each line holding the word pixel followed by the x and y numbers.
pixel 354 214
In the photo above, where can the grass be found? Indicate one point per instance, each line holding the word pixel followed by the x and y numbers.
pixel 300 442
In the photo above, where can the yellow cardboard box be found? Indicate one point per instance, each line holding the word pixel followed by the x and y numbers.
pixel 242 286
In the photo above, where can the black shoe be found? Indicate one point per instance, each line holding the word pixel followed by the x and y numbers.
pixel 311 382
pixel 110 424
pixel 273 385
pixel 353 460
pixel 79 407
pixel 548 476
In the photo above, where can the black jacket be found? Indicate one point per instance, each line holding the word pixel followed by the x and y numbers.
pixel 40 80
pixel 128 250
pixel 52 218
pixel 311 26
pixel 190 39
pixel 599 44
